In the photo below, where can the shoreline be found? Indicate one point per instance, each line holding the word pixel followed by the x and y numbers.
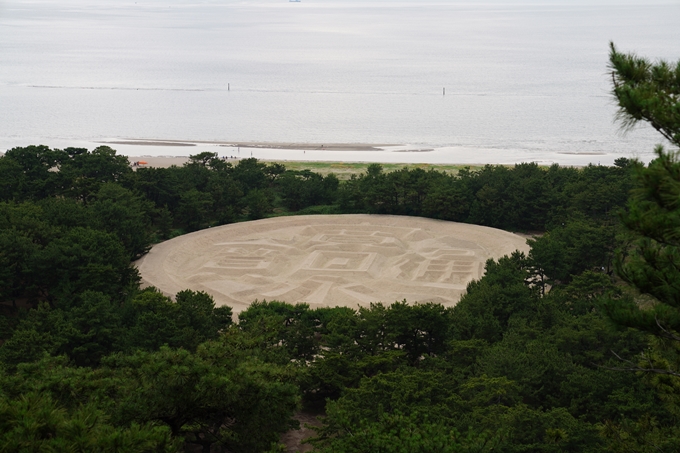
pixel 261 145
pixel 413 154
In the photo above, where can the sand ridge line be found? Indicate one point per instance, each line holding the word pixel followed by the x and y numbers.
pixel 255 145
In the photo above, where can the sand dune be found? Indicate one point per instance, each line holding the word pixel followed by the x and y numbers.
pixel 344 260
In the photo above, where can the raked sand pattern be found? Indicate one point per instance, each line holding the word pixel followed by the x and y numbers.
pixel 345 260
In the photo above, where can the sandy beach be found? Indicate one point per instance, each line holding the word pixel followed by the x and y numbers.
pixel 342 260
pixel 176 152
pixel 234 151
pixel 256 145
pixel 384 153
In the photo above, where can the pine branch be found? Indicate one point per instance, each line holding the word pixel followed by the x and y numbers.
pixel 637 368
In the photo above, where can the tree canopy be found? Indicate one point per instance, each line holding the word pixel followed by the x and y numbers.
pixel 650 92
pixel 647 91
pixel 91 361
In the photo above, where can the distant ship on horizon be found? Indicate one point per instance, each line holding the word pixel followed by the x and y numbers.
pixel 294 1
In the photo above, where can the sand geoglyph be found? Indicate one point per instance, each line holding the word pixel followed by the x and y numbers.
pixel 345 260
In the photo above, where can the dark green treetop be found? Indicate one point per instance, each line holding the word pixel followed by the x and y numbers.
pixel 648 92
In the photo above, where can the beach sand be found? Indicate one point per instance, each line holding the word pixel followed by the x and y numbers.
pixel 343 260
pixel 256 145
pixel 233 151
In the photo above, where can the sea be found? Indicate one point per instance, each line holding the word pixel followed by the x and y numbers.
pixel 482 81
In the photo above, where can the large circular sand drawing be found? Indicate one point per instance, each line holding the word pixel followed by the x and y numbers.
pixel 345 260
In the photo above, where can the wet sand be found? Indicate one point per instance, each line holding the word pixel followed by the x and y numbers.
pixel 257 145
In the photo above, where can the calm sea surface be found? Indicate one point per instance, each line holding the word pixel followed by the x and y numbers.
pixel 524 81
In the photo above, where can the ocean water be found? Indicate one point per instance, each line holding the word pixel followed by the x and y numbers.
pixel 523 80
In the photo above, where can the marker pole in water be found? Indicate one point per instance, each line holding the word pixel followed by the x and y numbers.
pixel 228 87
pixel 444 91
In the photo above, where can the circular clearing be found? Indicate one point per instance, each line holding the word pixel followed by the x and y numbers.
pixel 328 260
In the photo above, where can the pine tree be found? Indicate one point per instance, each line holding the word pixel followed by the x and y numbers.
pixel 650 92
